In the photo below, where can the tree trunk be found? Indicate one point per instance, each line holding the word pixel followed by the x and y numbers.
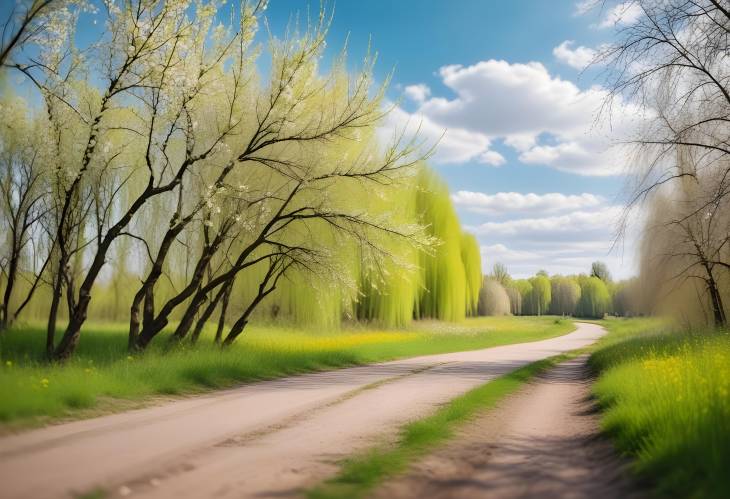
pixel 149 331
pixel 203 319
pixel 186 322
pixel 134 320
pixel 5 320
pixel 236 330
pixel 53 313
pixel 718 311
pixel 70 340
pixel 222 317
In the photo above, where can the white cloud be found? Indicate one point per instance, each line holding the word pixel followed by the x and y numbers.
pixel 513 202
pixel 503 254
pixel 561 244
pixel 522 263
pixel 578 58
pixel 455 145
pixel 417 93
pixel 498 99
pixel 547 119
pixel 586 157
pixel 623 14
pixel 521 142
pixel 578 222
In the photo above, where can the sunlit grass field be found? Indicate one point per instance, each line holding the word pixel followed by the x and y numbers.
pixel 666 397
pixel 103 377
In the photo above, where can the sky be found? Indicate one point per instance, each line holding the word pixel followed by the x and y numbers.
pixel 532 170
pixel 502 87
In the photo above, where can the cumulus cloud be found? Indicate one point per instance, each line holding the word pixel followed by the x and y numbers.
pixel 548 120
pixel 515 202
pixel 565 244
pixel 417 93
pixel 578 222
pixel 585 157
pixel 498 99
pixel 454 145
pixel 578 58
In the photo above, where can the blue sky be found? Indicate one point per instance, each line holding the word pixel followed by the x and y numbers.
pixel 531 171
pixel 550 202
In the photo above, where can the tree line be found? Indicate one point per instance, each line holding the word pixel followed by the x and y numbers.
pixel 156 176
pixel 592 295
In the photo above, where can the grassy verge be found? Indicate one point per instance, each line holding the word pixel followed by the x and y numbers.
pixel 103 378
pixel 362 473
pixel 665 396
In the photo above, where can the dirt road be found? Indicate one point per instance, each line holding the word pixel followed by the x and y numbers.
pixel 264 439
pixel 542 442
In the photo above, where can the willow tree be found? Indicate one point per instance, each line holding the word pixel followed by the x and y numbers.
pixel 540 295
pixel 564 295
pixel 129 100
pixel 23 205
pixel 444 271
pixel 595 299
pixel 471 260
pixel 672 60
pixel 288 200
pixel 493 298
pixel 523 292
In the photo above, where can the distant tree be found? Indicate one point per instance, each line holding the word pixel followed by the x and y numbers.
pixel 595 299
pixel 565 293
pixel 540 296
pixel 493 298
pixel 500 274
pixel 600 269
pixel 523 288
pixel 515 299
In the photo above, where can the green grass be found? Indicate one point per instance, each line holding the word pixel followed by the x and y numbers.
pixel 103 378
pixel 361 473
pixel 665 396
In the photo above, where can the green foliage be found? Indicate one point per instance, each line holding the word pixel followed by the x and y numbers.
pixel 539 297
pixel 102 377
pixel 444 276
pixel 595 299
pixel 524 289
pixel 472 262
pixel 564 294
pixel 665 397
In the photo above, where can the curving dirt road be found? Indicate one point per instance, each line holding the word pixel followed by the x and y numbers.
pixel 542 442
pixel 265 439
